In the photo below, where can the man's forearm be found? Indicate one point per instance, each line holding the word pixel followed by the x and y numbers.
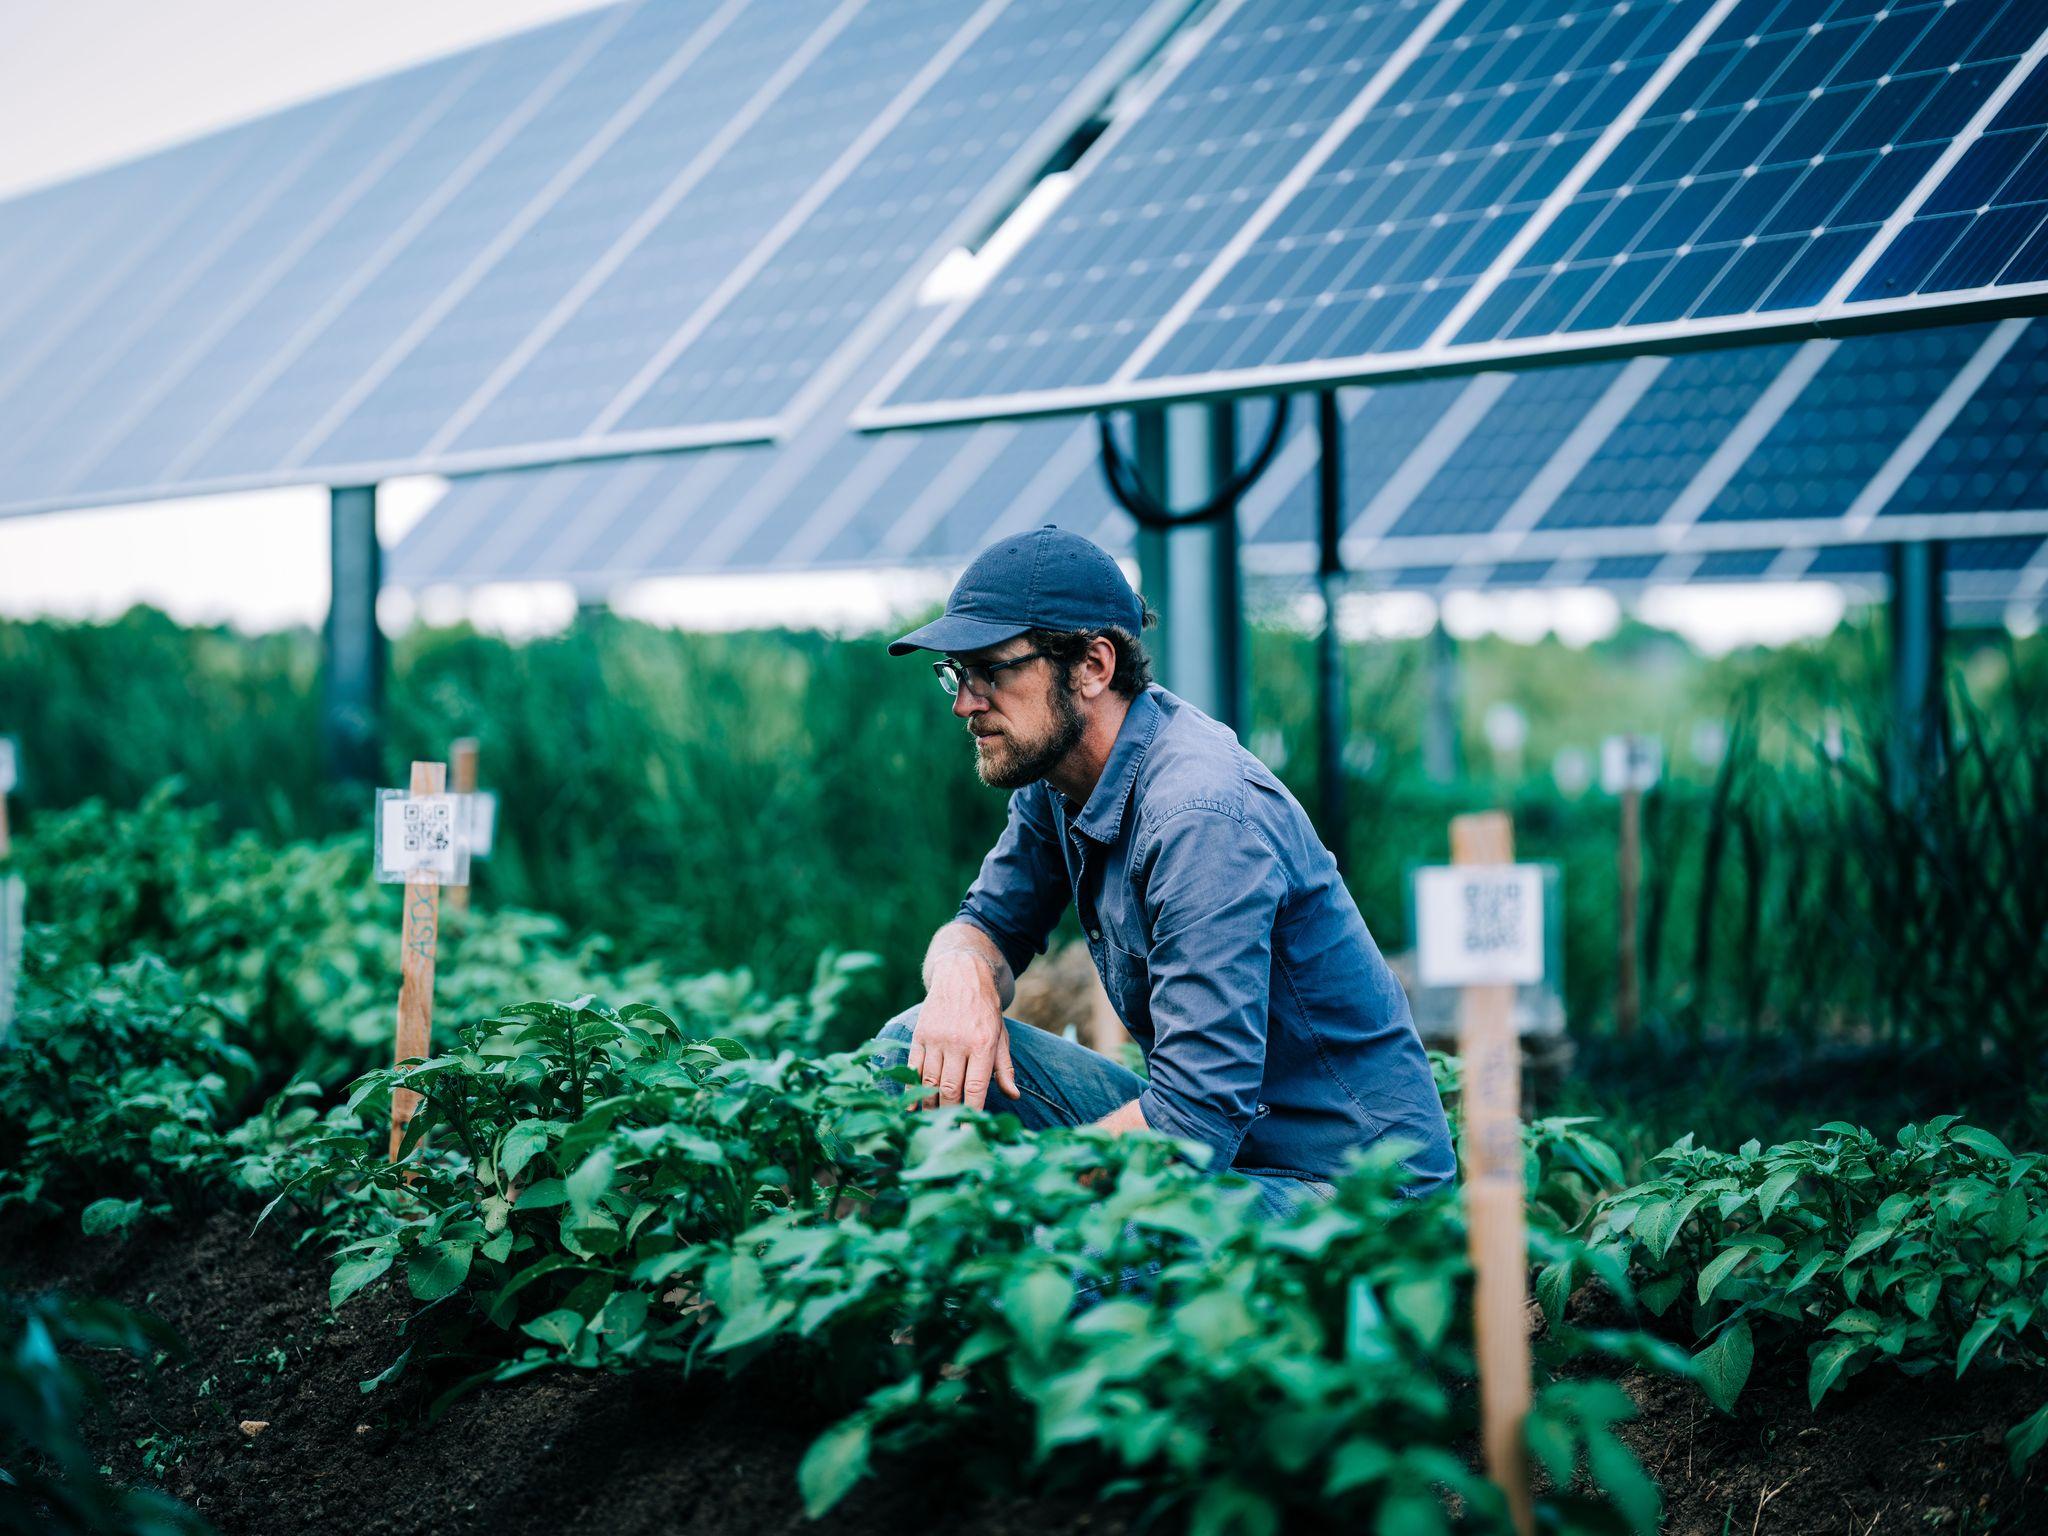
pixel 957 939
pixel 1124 1119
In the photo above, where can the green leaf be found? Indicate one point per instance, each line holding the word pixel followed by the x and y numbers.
pixel 1773 1189
pixel 1717 1269
pixel 1658 1294
pixel 1424 1307
pixel 2009 1217
pixel 1215 1321
pixel 588 1184
pixel 560 1327
pixel 1615 1468
pixel 1973 1341
pixel 103 1218
pixel 836 1461
pixel 1036 1302
pixel 1356 1463
pixel 2025 1439
pixel 1365 1326
pixel 1723 1366
pixel 438 1271
pixel 351 1275
pixel 1228 1508
pixel 1411 1511
pixel 1981 1142
pixel 1868 1242
pixel 1828 1361
pixel 521 1143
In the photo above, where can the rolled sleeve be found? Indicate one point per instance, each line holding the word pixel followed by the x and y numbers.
pixel 1213 895
pixel 1021 890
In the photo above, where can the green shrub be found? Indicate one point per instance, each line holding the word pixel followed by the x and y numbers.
pixel 1930 1254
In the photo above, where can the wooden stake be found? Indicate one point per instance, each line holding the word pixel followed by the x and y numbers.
pixel 1497 1233
pixel 1628 1001
pixel 462 768
pixel 421 939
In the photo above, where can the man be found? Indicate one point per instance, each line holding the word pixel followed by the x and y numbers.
pixel 1273 1032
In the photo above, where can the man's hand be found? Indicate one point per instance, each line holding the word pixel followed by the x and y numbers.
pixel 961 1041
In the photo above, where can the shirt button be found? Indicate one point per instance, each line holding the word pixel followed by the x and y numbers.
pixel 1095 935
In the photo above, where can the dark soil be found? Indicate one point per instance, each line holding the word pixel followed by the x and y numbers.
pixel 571 1455
pixel 555 1454
pixel 1891 1454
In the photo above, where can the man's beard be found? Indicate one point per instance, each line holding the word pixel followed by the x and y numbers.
pixel 1024 763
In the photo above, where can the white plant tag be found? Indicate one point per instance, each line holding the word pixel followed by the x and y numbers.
pixel 482 808
pixel 1479 924
pixel 1630 762
pixel 421 839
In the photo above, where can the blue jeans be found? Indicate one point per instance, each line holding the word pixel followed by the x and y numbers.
pixel 1061 1082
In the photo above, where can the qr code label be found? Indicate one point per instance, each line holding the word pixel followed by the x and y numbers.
pixel 429 827
pixel 421 839
pixel 1493 916
pixel 1479 925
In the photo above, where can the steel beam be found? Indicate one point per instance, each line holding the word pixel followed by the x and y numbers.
pixel 1190 573
pixel 1919 710
pixel 355 660
pixel 1440 745
pixel 1333 717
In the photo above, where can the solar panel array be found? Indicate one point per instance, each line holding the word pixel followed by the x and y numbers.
pixel 643 227
pixel 1983 578
pixel 1332 191
pixel 1934 433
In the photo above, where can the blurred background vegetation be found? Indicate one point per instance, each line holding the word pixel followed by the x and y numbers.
pixel 1812 940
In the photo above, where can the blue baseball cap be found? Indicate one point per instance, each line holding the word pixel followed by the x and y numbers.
pixel 1044 579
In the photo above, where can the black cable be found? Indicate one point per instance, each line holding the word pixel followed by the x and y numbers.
pixel 1133 496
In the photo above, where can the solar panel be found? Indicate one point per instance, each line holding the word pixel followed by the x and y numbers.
pixel 823 498
pixel 1709 457
pixel 1531 180
pixel 648 226
pixel 1982 577
pixel 1934 433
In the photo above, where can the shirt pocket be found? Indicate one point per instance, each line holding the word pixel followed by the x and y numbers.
pixel 1128 980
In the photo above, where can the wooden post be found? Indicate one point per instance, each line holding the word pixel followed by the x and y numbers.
pixel 1496 1224
pixel 421 938
pixel 462 769
pixel 1628 1000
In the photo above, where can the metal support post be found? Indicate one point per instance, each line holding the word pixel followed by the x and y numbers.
pixel 1440 746
pixel 1332 715
pixel 354 679
pixel 1919 716
pixel 1190 573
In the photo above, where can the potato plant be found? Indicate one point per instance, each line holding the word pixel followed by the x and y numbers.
pixel 1927 1254
pixel 605 1192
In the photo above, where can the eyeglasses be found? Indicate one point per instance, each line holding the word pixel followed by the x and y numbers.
pixel 980 678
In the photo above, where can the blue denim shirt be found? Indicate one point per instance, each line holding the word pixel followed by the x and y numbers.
pixel 1273 1030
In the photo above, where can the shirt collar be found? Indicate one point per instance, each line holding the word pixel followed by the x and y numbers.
pixel 1102 818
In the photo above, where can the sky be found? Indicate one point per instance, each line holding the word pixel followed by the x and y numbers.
pixel 84 83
